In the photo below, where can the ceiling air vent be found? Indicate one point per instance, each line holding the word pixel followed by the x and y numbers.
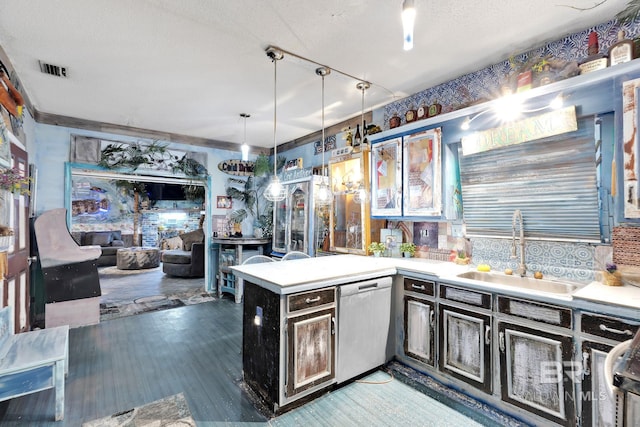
pixel 54 70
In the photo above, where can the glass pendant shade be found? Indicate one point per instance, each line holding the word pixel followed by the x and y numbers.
pixel 325 195
pixel 361 194
pixel 244 148
pixel 275 191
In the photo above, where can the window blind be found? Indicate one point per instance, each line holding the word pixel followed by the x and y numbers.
pixel 552 181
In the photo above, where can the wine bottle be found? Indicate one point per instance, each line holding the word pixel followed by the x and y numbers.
pixel 357 139
pixel 365 140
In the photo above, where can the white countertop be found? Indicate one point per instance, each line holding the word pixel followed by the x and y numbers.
pixel 285 277
pixel 626 295
pixel 311 273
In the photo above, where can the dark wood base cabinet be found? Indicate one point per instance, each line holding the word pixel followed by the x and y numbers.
pixel 288 345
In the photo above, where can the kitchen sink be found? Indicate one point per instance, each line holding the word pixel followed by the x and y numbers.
pixel 541 285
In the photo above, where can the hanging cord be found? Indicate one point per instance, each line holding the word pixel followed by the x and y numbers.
pixel 387 381
pixel 275 116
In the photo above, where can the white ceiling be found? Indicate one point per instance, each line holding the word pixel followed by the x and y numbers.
pixel 190 67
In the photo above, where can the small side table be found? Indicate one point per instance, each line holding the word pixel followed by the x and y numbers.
pixel 233 252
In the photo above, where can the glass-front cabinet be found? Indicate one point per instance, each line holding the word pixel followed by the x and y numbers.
pixel 351 226
pixel 298 225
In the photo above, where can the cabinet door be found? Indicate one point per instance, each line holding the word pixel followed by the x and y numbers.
pixel 310 350
pixel 297 240
pixel 598 406
pixel 465 346
pixel 419 320
pixel 532 372
pixel 281 224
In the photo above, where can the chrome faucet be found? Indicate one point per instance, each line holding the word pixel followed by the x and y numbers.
pixel 517 216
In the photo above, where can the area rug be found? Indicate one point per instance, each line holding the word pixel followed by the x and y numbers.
pixel 171 411
pixel 141 305
pixel 153 303
pixel 115 271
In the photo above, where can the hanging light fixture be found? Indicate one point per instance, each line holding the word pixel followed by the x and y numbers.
pixel 275 191
pixel 325 195
pixel 245 148
pixel 361 192
pixel 408 19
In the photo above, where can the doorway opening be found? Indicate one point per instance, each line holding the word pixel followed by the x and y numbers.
pixel 140 214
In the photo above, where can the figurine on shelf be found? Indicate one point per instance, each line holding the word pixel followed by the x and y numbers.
pixel 394 121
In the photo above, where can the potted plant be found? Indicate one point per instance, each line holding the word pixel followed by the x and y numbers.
pixel 376 248
pixel 408 249
pixel 461 257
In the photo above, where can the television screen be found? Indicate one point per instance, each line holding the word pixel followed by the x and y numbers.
pixel 160 191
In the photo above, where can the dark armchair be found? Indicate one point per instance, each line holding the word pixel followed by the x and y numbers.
pixel 188 262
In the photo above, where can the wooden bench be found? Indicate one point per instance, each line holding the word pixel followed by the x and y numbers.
pixel 33 361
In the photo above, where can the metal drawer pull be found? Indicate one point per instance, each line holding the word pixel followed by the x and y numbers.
pixel 615 331
pixel 487 334
pixel 501 338
pixel 333 326
pixel 312 300
pixel 585 365
pixel 432 316
pixel 421 287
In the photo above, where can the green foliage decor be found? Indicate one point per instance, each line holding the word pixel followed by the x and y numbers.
pixel 376 247
pixel 408 247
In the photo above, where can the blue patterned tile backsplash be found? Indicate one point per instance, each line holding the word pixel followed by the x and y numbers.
pixel 572 261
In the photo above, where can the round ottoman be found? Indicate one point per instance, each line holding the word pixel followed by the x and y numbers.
pixel 136 258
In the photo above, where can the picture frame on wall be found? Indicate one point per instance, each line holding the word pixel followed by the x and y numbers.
pixel 422 174
pixel 224 202
pixel 386 178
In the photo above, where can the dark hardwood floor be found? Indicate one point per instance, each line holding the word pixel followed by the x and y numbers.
pixel 128 362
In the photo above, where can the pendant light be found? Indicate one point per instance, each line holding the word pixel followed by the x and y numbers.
pixel 408 19
pixel 245 148
pixel 275 191
pixel 324 196
pixel 361 193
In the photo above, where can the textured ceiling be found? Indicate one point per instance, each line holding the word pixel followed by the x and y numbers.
pixel 190 67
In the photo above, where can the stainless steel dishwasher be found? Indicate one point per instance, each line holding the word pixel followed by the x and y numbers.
pixel 364 319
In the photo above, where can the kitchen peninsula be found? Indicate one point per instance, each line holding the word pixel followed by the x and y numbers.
pixel 462 328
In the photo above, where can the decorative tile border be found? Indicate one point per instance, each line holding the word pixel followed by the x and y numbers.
pixel 485 84
pixel 567 260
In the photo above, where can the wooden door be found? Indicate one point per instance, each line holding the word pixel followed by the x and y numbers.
pixel 15 286
pixel 311 350
pixel 419 319
pixel 532 372
pixel 598 406
pixel 465 346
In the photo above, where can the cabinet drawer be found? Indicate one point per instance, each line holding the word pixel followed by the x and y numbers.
pixel 420 286
pixel 540 312
pixel 478 299
pixel 311 299
pixel 608 327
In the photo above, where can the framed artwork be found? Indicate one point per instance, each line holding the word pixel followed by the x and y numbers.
pixel 223 202
pixel 422 174
pixel 5 153
pixel 386 178
pixel 630 166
